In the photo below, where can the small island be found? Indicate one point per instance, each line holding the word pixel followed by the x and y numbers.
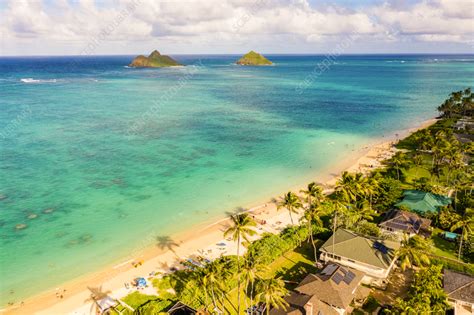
pixel 154 60
pixel 253 58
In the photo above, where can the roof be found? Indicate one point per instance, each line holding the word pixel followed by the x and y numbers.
pixel 458 286
pixel 335 285
pixel 181 309
pixel 371 251
pixel 106 303
pixel 404 221
pixel 423 201
pixel 319 307
pixel 296 305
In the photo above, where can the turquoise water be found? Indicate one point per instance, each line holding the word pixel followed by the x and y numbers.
pixel 120 156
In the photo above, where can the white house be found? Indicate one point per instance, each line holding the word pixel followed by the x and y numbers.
pixel 375 257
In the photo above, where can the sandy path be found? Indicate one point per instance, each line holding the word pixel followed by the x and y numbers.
pixel 202 240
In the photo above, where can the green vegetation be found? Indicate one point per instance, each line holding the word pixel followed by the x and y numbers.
pixel 453 264
pixel 136 299
pixel 370 305
pixel 413 252
pixel 466 225
pixel 154 60
pixel 242 227
pixel 293 265
pixel 432 160
pixel 426 294
pixel 442 247
pixel 253 59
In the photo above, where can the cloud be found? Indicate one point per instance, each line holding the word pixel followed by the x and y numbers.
pixel 431 20
pixel 233 21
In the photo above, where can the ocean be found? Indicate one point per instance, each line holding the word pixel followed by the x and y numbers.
pixel 98 159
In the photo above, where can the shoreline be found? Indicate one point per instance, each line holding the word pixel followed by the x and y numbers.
pixel 184 244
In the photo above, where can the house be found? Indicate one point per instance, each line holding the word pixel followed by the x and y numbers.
pixel 399 223
pixel 423 202
pixel 181 309
pixel 330 292
pixel 464 123
pixel 460 290
pixel 373 256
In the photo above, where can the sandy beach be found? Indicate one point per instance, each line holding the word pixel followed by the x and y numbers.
pixel 206 239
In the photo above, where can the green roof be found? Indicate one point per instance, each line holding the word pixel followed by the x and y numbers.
pixel 362 249
pixel 421 201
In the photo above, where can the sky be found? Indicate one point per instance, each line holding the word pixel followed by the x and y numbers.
pixel 130 27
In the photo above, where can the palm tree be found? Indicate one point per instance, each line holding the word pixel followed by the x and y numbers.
pixel 198 289
pixel 371 186
pixel 426 140
pixel 338 207
pixel 467 226
pixel 272 291
pixel 417 160
pixel 397 163
pixel 346 187
pixel 312 215
pixel 242 227
pixel 462 179
pixel 314 191
pixel 198 286
pixel 252 270
pixel 358 211
pixel 291 202
pixel 212 278
pixel 454 160
pixel 412 252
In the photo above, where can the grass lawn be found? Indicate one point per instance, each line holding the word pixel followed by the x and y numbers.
pixel 413 173
pixel 136 299
pixel 293 266
pixel 443 247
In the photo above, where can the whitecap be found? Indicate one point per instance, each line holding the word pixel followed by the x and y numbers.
pixel 31 80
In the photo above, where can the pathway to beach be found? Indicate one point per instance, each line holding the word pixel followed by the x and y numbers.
pixel 205 240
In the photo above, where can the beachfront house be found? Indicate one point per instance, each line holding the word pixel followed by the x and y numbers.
pixel 373 256
pixel 332 292
pixel 460 290
pixel 399 223
pixel 465 124
pixel 423 202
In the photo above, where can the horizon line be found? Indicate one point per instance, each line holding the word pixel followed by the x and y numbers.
pixel 268 54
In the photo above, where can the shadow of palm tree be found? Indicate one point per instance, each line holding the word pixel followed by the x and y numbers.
pixel 164 266
pixel 167 243
pixel 97 294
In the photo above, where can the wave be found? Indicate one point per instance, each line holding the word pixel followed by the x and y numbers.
pixel 448 60
pixel 31 80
